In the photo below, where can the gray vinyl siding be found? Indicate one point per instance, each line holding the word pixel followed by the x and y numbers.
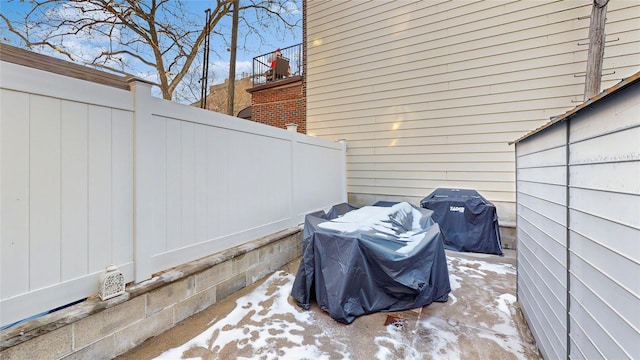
pixel 542 238
pixel 604 213
pixel 595 157
pixel 428 94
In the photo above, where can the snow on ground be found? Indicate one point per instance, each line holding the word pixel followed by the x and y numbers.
pixel 395 343
pixel 481 267
pixel 265 324
pixel 457 326
pixel 506 328
pixel 266 317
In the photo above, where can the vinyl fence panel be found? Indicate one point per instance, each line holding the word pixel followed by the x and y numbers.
pixel 207 182
pixel 93 175
pixel 66 185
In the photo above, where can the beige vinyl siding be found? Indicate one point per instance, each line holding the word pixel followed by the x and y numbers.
pixel 427 94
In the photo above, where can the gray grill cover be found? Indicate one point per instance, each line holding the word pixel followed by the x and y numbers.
pixel 468 221
pixel 357 262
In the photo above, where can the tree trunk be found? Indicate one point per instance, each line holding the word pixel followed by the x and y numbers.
pixel 596 49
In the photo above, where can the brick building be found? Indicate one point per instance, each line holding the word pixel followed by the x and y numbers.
pixel 218 96
pixel 279 103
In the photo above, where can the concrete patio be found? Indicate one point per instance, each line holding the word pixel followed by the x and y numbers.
pixel 481 320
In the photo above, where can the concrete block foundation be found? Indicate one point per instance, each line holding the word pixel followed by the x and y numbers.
pixel 96 329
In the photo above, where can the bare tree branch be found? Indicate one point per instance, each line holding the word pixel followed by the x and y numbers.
pixel 37 43
pixel 124 35
pixel 118 52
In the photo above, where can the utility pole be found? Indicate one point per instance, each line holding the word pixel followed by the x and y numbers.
pixel 596 48
pixel 232 61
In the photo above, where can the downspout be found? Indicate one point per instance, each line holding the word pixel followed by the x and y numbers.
pixel 517 240
pixel 568 240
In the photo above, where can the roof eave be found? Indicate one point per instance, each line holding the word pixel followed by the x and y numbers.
pixel 559 118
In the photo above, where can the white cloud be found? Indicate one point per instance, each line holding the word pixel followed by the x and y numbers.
pixel 220 70
pixel 288 7
pixel 83 44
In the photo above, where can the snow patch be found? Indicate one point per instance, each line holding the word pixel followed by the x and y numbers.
pixel 479 267
pixel 454 281
pixel 376 218
pixel 264 323
pixel 396 345
pixel 505 333
pixel 443 339
pixel 454 299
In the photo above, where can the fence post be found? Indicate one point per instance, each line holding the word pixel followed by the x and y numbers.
pixel 343 170
pixel 295 207
pixel 142 118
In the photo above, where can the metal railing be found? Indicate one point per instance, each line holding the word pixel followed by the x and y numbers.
pixel 262 72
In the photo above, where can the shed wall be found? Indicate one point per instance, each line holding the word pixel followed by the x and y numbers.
pixel 604 223
pixel 579 231
pixel 542 238
pixel 428 94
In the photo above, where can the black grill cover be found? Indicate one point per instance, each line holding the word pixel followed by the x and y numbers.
pixel 468 221
pixel 354 265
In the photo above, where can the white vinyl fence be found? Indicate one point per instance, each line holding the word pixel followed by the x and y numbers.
pixel 92 175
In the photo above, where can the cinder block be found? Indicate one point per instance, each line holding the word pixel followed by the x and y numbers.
pixel 99 350
pixel 194 304
pixel 170 294
pixel 142 330
pixel 214 276
pixel 298 250
pixel 259 271
pixel 230 286
pixel 281 259
pixel 294 242
pixel 108 322
pixel 266 252
pixel 509 237
pixel 289 242
pixel 243 262
pixel 52 345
